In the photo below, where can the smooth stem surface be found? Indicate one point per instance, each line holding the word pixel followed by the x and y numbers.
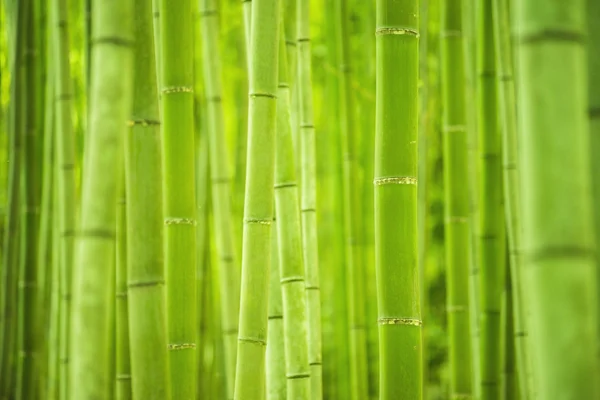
pixel 308 200
pixel 110 92
pixel 145 267
pixel 491 239
pixel 291 268
pixel 559 251
pixel 399 318
pixel 258 209
pixel 221 187
pixel 456 199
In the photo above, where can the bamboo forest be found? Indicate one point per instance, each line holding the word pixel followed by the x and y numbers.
pixel 299 199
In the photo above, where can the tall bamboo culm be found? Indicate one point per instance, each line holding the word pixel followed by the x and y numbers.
pixel 276 379
pixel 355 281
pixel 10 256
pixel 65 181
pixel 221 181
pixel 559 250
pixel 456 199
pixel 308 201
pixel 507 111
pixel 291 268
pixel 110 94
pixel 491 242
pixel 258 208
pixel 399 318
pixel 177 100
pixel 145 267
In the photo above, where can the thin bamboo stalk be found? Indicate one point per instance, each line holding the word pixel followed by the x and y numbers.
pixel 258 210
pixel 559 253
pixel 491 240
pixel 399 318
pixel 221 182
pixel 291 268
pixel 111 93
pixel 456 199
pixel 179 193
pixel 145 267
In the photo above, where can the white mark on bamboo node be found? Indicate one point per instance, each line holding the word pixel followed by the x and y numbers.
pixel 180 221
pixel 181 346
pixel 177 89
pixel 397 31
pixel 258 221
pixel 395 180
pixel 400 321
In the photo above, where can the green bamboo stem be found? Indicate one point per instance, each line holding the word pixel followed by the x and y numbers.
pixel 179 195
pixel 29 343
pixel 122 358
pixel 221 187
pixel 53 380
pixel 145 268
pixel 399 318
pixel 352 216
pixel 509 387
pixel 508 125
pixel 491 216
pixel 293 276
pixel 308 201
pixel 157 43
pixel 258 210
pixel 559 253
pixel 65 181
pixel 111 92
pixel 593 13
pixel 10 254
pixel 276 379
pixel 456 199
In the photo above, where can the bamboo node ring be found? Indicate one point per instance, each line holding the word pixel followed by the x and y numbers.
pixel 267 95
pixel 301 375
pixel 395 180
pixel 396 31
pixel 177 89
pixel 181 346
pixel 258 221
pixel 292 279
pixel 180 221
pixel 251 340
pixel 400 321
pixel 143 122
pixel 123 377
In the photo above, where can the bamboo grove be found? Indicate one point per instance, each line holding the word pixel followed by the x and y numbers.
pixel 299 199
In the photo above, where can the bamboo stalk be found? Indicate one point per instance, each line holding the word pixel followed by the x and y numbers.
pixel 258 210
pixel 221 187
pixel 456 199
pixel 399 318
pixel 559 253
pixel 291 268
pixel 491 240
pixel 145 267
pixel 111 92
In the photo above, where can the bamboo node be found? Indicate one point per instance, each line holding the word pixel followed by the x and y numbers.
pixel 177 89
pixel 208 13
pixel 455 128
pixel 273 317
pixel 258 94
pixel 315 363
pixel 121 295
pixel 283 185
pixel 180 221
pixel 149 283
pixel 400 321
pixel 283 85
pixel 97 234
pixel 220 180
pixel 299 375
pixel 252 340
pixel 214 99
pixel 123 377
pixel 258 221
pixel 395 180
pixel 114 40
pixel 396 31
pixel 290 43
pixel 143 122
pixel 181 346
pixel 312 288
pixel 307 126
pixel 553 35
pixel 303 40
pixel 308 210
pixel 291 279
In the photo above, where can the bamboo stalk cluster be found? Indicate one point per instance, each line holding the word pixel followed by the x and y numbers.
pixel 290 199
